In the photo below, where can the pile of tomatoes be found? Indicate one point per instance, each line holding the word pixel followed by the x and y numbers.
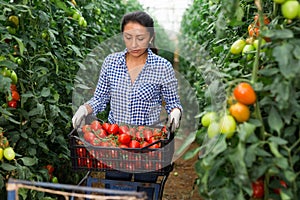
pixel 243 96
pixel 123 136
pixel 121 146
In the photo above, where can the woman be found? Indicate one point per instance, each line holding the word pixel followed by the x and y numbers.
pixel 135 82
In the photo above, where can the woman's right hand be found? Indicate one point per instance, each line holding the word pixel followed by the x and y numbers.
pixel 78 118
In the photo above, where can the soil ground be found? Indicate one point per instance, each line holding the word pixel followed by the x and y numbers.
pixel 179 185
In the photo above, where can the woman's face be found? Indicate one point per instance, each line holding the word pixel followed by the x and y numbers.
pixel 136 38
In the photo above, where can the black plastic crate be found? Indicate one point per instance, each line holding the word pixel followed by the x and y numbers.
pixel 86 157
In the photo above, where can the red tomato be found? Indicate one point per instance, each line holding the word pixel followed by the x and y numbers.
pixel 105 144
pixel 147 133
pixel 123 129
pixel 283 184
pixel 86 128
pixel 154 146
pixel 152 140
pixel 141 128
pixel 144 144
pixel 244 93
pixel 133 131
pixel 258 189
pixel 50 168
pixel 105 126
pixel 124 139
pixel 15 95
pixel 96 142
pixel 89 136
pixel 134 144
pixel 101 133
pixel 164 130
pixel 13 87
pixel 113 129
pixel 157 132
pixel 95 125
pixel 138 136
pixel 123 146
pixel 12 104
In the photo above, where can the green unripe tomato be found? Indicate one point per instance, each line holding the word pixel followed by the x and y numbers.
pixel 19 61
pixel 208 118
pixel 5 72
pixel 248 51
pixel 9 153
pixel 290 9
pixel 13 77
pixel 279 1
pixel 237 46
pixel 11 30
pixel 54 179
pixel 255 43
pixel 82 22
pixel 227 125
pixel 14 19
pixel 76 15
pixel 2 58
pixel 1 153
pixel 213 129
pixel 45 35
pixel 97 11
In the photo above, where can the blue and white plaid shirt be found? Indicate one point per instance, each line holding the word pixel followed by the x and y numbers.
pixel 140 102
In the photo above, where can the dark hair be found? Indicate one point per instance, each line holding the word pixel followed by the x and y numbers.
pixel 143 19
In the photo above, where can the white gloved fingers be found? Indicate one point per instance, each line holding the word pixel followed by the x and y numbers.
pixel 174 119
pixel 78 117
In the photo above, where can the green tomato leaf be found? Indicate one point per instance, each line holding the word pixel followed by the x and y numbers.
pixel 245 130
pixel 8 167
pixel 278 140
pixel 281 162
pixel 290 175
pixel 284 62
pixel 275 121
pixel 278 34
pixel 250 155
pixel 27 161
pixel 45 92
pixel 21 45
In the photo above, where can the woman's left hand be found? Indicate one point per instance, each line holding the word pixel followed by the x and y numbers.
pixel 174 119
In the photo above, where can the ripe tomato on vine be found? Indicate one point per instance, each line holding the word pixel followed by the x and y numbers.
pixel 244 93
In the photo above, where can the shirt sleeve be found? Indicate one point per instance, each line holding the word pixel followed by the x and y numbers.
pixel 170 89
pixel 102 93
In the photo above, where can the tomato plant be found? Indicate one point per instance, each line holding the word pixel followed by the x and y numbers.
pixel 42 49
pixel 265 144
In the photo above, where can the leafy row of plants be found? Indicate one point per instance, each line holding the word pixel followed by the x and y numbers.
pixel 43 46
pixel 255 155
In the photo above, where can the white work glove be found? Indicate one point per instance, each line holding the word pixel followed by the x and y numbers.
pixel 174 120
pixel 78 118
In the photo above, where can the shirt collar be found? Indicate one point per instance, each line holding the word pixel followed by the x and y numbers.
pixel 150 57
